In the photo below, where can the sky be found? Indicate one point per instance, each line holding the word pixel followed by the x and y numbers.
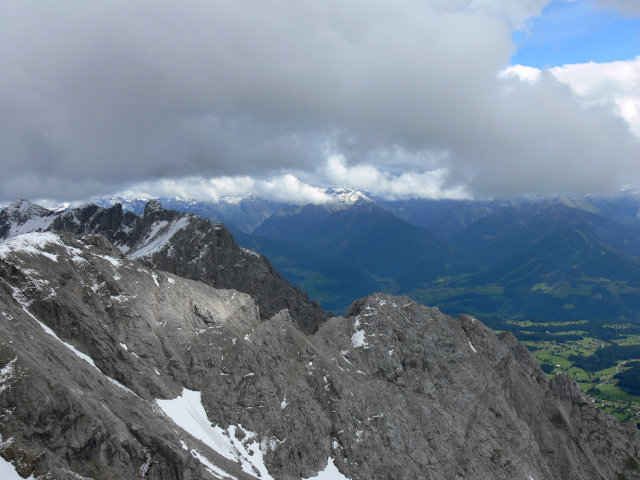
pixel 284 98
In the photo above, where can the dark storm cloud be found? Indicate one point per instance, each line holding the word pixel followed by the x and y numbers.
pixel 96 96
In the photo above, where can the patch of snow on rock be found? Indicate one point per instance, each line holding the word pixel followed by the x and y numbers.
pixel 32 243
pixel 358 339
pixel 248 251
pixel 218 472
pixel 7 372
pixel 8 471
pixel 330 472
pixel 112 260
pixel 187 412
pixel 160 234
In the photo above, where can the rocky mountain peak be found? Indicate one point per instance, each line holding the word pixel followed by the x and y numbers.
pixel 176 379
pixel 23 210
pixel 152 206
pixel 23 216
pixel 186 245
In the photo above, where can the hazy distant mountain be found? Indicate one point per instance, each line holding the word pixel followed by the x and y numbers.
pixel 623 208
pixel 133 205
pixel 443 218
pixel 243 214
pixel 512 230
pixel 365 236
pixel 547 260
pixel 341 250
pixel 331 283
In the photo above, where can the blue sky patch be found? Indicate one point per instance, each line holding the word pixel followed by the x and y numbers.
pixel 571 32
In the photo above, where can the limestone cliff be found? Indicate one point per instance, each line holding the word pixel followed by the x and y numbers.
pixel 97 350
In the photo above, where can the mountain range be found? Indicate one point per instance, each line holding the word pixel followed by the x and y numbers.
pixel 129 350
pixel 180 243
pixel 557 258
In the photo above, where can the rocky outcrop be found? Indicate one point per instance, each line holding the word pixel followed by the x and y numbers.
pixel 392 390
pixel 22 216
pixel 183 244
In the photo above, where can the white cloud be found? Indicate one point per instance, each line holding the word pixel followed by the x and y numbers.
pixel 615 84
pixel 98 96
pixel 288 188
pixel 283 188
pixel 522 73
pixel 429 184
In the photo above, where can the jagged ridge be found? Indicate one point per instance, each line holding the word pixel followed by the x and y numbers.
pixel 392 390
pixel 180 243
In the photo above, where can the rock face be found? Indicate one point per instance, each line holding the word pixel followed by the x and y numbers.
pixel 179 243
pixel 90 341
pixel 23 216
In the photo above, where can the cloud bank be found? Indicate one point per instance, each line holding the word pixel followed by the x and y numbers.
pixel 212 96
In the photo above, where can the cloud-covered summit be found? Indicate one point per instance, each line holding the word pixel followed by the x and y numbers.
pixel 398 98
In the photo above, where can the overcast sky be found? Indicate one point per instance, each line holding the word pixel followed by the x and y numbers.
pixel 429 98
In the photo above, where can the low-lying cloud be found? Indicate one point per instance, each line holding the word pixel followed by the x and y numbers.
pixel 228 96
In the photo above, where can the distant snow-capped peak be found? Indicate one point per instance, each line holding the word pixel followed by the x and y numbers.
pixel 238 200
pixel 348 195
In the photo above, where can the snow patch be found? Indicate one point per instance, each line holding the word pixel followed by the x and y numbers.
pixel 78 353
pixel 120 386
pixel 187 412
pixel 330 472
pixel 7 372
pixel 218 472
pixel 37 224
pixel 472 347
pixel 358 339
pixel 120 299
pixel 31 243
pixel 112 260
pixel 144 468
pixel 8 471
pixel 159 235
pixel 248 251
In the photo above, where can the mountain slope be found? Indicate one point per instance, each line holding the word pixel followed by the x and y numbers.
pixel 443 218
pixel 391 390
pixel 565 255
pixel 193 248
pixel 367 237
pixel 23 216
pixel 333 284
pixel 237 213
pixel 511 230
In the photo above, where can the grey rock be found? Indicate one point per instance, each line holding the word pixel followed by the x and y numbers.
pixel 179 243
pixel 392 390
